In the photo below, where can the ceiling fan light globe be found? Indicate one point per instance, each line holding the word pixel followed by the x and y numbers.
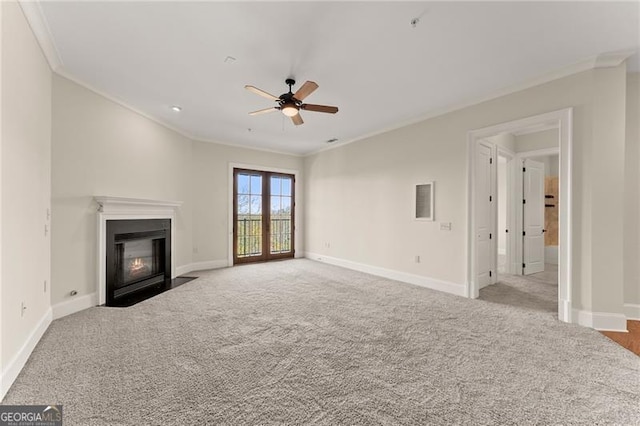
pixel 290 110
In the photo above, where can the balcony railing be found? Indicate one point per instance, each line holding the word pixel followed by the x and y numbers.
pixel 249 234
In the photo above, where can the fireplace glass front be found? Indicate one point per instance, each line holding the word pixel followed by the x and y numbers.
pixel 140 259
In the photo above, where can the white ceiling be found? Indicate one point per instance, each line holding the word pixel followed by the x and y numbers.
pixel 366 57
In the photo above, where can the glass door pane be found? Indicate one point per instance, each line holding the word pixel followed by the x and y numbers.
pixel 281 214
pixel 248 215
pixel 263 211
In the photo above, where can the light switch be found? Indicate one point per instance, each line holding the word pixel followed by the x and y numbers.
pixel 445 226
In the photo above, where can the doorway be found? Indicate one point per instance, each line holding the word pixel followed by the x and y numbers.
pixel 559 120
pixel 263 215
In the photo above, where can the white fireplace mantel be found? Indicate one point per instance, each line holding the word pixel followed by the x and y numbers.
pixel 120 208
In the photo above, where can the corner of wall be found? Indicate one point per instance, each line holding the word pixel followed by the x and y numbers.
pixel 14 367
pixel 603 321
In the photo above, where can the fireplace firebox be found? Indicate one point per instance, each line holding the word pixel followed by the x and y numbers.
pixel 138 257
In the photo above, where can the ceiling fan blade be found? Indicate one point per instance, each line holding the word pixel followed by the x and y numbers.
pixel 320 108
pixel 297 119
pixel 305 90
pixel 263 111
pixel 260 92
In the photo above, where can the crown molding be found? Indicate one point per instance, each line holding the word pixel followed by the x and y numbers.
pixel 612 59
pixel 34 14
pixel 62 73
pixel 32 10
pixel 567 71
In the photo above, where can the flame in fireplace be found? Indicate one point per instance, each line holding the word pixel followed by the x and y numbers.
pixel 137 264
pixel 138 268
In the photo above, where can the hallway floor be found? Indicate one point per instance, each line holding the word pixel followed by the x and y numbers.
pixel 539 292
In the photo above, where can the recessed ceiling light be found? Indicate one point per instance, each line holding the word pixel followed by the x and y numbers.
pixel 176 108
pixel 229 60
pixel 332 140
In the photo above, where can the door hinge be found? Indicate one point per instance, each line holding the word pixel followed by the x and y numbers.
pixel 506 230
pixel 524 233
pixel 490 236
pixel 489 273
pixel 490 198
pixel 524 169
pixel 524 266
pixel 524 201
pixel 491 160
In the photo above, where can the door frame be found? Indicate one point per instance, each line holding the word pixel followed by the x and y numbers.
pixel 562 119
pixel 297 211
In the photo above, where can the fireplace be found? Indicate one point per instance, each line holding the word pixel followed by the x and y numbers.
pixel 138 257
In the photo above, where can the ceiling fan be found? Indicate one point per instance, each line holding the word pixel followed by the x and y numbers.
pixel 291 103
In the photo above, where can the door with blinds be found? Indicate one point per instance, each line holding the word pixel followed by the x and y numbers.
pixel 263 216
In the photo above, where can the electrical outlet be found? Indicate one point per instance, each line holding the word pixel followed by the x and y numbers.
pixel 23 308
pixel 327 245
pixel 195 250
pixel 416 259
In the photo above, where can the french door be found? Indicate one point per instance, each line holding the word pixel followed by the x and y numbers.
pixel 263 216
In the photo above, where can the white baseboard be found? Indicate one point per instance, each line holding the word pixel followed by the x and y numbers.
pixel 604 321
pixel 76 304
pixel 201 266
pixel 551 254
pixel 632 311
pixel 432 283
pixel 14 367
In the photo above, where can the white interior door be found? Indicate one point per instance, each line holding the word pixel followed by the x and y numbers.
pixel 483 217
pixel 533 217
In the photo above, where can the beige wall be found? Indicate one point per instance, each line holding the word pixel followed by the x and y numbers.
pixel 103 148
pixel 537 140
pixel 632 195
pixel 606 204
pixel 211 183
pixel 26 182
pixel 359 195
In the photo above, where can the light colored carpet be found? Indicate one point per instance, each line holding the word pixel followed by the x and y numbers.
pixel 300 342
pixel 536 291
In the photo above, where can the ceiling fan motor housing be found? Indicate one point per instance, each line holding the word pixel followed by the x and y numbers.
pixel 288 104
pixel 291 103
